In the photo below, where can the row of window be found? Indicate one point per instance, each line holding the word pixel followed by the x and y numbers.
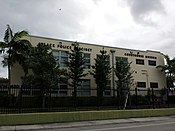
pixel 62 90
pixel 83 90
pixel 143 84
pixel 142 62
pixel 62 57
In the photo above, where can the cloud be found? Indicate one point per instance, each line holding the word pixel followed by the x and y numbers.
pixel 133 24
pixel 144 11
pixel 43 17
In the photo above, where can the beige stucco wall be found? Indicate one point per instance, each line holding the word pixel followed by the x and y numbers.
pixel 143 73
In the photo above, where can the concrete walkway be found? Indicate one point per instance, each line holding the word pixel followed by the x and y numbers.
pixel 79 124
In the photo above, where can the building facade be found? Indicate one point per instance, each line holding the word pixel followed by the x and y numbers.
pixel 144 63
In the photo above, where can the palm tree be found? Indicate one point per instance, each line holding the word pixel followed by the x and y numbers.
pixel 169 70
pixel 16 49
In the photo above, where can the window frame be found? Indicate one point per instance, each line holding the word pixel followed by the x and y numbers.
pixel 152 63
pixel 108 89
pixel 87 65
pixel 60 57
pixel 81 91
pixel 154 85
pixel 140 61
pixel 142 83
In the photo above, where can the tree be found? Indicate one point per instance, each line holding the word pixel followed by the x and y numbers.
pixel 76 68
pixel 45 71
pixel 169 70
pixel 101 72
pixel 16 48
pixel 124 79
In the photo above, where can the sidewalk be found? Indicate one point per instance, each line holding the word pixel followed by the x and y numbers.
pixel 78 124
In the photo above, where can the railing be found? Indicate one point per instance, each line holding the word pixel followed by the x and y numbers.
pixel 16 99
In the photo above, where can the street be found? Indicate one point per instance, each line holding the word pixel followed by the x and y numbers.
pixel 132 124
pixel 166 123
pixel 148 126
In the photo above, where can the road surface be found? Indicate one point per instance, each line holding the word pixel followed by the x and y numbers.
pixel 132 124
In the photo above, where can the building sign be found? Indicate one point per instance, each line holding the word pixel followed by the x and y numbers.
pixel 139 55
pixel 60 45
pixel 151 57
pixel 134 54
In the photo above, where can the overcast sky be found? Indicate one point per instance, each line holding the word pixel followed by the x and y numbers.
pixel 133 24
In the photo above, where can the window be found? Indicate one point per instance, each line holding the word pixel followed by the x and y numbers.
pixel 151 62
pixel 62 90
pixel 61 57
pixel 124 59
pixel 141 84
pixel 87 60
pixel 84 88
pixel 153 85
pixel 31 91
pixel 140 61
pixel 107 92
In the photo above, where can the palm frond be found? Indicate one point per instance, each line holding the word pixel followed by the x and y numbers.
pixel 3 45
pixel 19 35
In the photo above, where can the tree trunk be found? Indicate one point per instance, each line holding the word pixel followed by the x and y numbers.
pixel 9 83
pixel 126 100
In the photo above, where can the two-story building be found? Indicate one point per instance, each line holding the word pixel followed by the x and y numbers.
pixel 144 63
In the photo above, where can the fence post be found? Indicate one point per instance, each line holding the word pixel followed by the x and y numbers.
pixel 153 104
pixel 118 98
pixel 167 93
pixel 136 97
pixel 75 98
pixel 50 98
pixel 129 99
pixel 20 98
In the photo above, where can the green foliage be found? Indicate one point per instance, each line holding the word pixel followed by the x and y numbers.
pixel 15 47
pixel 45 72
pixel 124 76
pixel 169 70
pixel 101 72
pixel 76 67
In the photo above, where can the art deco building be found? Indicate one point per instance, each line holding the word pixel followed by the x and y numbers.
pixel 144 63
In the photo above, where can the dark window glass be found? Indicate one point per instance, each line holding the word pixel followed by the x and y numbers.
pixel 124 59
pixel 140 61
pixel 61 57
pixel 141 84
pixel 87 59
pixel 153 84
pixel 151 62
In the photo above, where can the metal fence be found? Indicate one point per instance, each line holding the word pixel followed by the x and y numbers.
pixel 15 99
